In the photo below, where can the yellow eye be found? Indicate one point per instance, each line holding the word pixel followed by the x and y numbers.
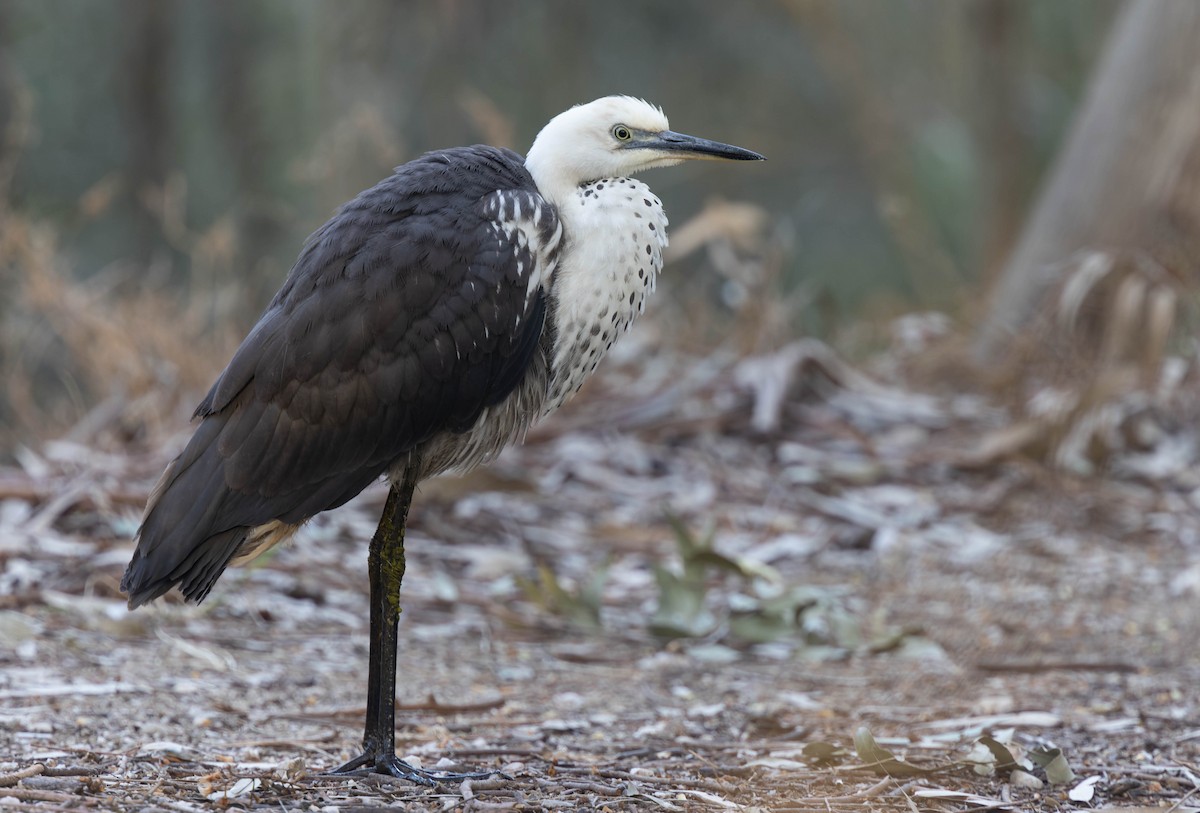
pixel 622 133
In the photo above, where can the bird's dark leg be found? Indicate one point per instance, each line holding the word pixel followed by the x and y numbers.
pixel 386 564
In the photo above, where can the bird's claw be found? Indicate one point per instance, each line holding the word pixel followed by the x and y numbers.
pixel 392 765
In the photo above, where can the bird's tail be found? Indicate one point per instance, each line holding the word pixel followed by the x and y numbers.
pixel 190 531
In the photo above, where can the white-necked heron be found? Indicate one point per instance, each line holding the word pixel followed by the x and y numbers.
pixel 425 327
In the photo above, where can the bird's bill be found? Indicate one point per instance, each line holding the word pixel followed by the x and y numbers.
pixel 683 146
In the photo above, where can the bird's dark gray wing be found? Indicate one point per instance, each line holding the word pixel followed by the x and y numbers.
pixel 411 311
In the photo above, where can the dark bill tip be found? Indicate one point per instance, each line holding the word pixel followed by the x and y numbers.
pixel 694 147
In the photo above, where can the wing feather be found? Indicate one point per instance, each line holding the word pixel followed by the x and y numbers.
pixel 402 318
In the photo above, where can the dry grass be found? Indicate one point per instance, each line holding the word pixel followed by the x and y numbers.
pixel 1058 610
pixel 121 355
pixel 67 344
pixel 111 356
pixel 1106 367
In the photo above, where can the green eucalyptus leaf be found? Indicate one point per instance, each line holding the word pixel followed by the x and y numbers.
pixel 879 759
pixel 759 628
pixel 681 612
pixel 1005 761
pixel 1055 764
pixel 818 754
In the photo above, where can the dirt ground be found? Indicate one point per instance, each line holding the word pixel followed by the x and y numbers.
pixel 879 579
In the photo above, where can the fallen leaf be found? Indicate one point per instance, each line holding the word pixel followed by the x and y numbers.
pixel 969 798
pixel 239 788
pixel 1084 791
pixel 1007 755
pixel 681 612
pixel 778 763
pixel 1058 771
pixel 823 753
pixel 880 759
pixel 1024 779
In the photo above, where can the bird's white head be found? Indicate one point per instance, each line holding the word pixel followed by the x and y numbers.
pixel 615 136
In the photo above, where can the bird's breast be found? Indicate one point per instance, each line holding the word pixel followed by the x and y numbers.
pixel 616 231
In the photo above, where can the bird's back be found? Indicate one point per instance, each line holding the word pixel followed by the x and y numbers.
pixel 409 315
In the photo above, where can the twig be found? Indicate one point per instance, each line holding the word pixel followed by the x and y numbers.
pixel 590 787
pixel 13 778
pixel 528 753
pixel 712 785
pixel 1034 667
pixel 31 795
pixel 311 743
pixel 433 704
pixel 488 783
pixel 72 770
pixel 1179 802
pixel 866 793
pixel 28 490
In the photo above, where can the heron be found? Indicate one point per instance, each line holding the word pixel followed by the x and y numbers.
pixel 426 326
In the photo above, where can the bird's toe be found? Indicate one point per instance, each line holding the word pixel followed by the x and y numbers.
pixel 392 765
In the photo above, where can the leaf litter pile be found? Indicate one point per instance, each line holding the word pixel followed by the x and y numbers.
pixel 774 583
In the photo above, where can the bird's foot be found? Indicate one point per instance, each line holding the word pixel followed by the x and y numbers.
pixel 392 765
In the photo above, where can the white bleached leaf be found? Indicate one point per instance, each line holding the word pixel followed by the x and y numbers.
pixel 170 749
pixel 968 798
pixel 975 725
pixel 15 628
pixel 214 657
pixel 1052 760
pixel 239 788
pixel 1024 779
pixel 291 769
pixel 1084 791
pixel 777 763
pixel 711 799
pixel 714 653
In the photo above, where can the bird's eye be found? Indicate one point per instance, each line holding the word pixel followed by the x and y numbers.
pixel 622 133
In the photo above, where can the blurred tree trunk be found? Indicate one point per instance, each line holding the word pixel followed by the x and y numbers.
pixel 995 25
pixel 1127 181
pixel 241 29
pixel 147 114
pixel 7 103
pixel 880 143
pixel 9 114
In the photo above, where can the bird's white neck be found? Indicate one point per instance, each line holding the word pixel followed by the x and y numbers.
pixel 553 182
pixel 617 231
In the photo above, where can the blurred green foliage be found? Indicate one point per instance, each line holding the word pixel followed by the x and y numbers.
pixel 258 117
pixel 162 161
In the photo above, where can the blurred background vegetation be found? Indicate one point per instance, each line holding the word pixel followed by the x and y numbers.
pixel 161 161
